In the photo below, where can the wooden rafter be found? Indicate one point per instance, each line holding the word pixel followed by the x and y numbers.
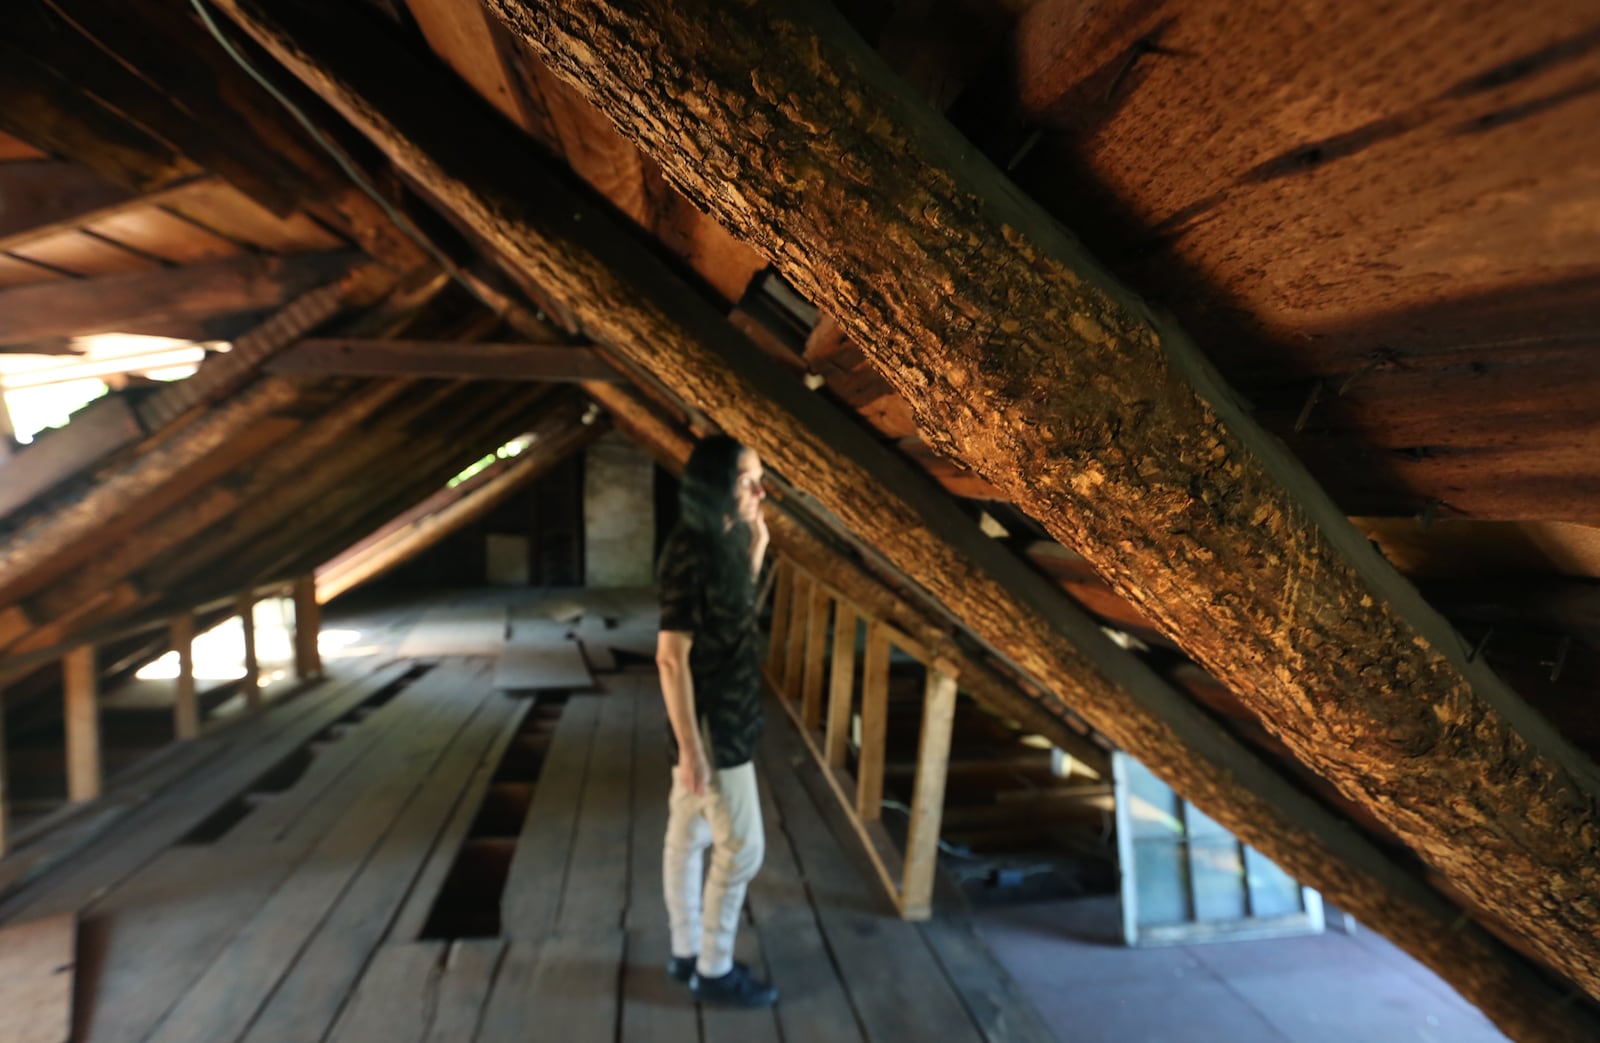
pixel 1029 363
pixel 159 301
pixel 628 302
pixel 442 360
pixel 561 432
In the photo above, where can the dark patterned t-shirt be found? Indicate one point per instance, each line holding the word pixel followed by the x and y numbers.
pixel 725 656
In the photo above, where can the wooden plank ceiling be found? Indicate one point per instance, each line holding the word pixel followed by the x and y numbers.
pixel 1379 226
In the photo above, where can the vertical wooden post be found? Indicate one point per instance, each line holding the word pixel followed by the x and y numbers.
pixel 841 686
pixel 83 724
pixel 816 653
pixel 251 685
pixel 927 803
pixel 874 724
pixel 307 625
pixel 5 799
pixel 778 637
pixel 185 706
pixel 795 650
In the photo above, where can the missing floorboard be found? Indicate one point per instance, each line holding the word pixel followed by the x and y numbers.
pixel 468 903
pixel 287 771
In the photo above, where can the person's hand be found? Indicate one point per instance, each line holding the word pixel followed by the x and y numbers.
pixel 758 529
pixel 694 773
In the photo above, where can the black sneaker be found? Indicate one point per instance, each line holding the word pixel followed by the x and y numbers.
pixel 681 968
pixel 737 988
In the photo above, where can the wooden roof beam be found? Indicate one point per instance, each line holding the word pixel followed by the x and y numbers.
pixel 148 301
pixel 349 357
pixel 562 432
pixel 629 302
pixel 371 496
pixel 792 533
pixel 1028 362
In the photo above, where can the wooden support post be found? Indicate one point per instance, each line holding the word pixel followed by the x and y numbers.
pixel 874 723
pixel 251 684
pixel 816 656
pixel 5 801
pixel 795 640
pixel 841 686
pixel 927 803
pixel 83 724
pixel 779 635
pixel 186 706
pixel 307 625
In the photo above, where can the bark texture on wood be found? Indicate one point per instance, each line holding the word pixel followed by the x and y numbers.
pixel 61 529
pixel 1024 360
pixel 629 303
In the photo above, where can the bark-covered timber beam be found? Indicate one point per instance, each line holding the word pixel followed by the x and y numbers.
pixel 499 186
pixel 1027 362
pixel 793 534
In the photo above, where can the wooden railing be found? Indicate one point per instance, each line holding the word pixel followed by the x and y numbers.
pixel 80 682
pixel 815 679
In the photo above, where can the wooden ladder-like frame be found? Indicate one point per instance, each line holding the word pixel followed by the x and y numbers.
pixel 796 660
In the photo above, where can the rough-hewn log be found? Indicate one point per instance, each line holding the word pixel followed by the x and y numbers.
pixel 1026 361
pixel 440 359
pixel 794 537
pixel 134 303
pixel 628 302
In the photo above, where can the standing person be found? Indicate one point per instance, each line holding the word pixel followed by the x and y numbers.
pixel 710 662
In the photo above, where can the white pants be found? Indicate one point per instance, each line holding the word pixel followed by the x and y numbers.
pixel 727 819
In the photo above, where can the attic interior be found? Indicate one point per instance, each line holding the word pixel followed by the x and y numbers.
pixel 1205 382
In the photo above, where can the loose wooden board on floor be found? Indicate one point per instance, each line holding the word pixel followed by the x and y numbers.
pixel 557 666
pixel 457 630
pixel 36 973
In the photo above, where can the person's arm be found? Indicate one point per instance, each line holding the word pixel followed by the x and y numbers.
pixel 759 538
pixel 677 688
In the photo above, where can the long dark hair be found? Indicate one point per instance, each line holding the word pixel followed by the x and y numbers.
pixel 706 504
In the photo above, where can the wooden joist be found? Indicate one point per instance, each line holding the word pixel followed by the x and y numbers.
pixel 443 360
pixel 628 302
pixel 1034 367
pixel 164 300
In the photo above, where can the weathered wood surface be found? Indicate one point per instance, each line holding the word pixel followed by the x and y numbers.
pixel 1179 499
pixel 441 360
pixel 162 818
pixel 192 901
pixel 534 665
pixel 145 301
pixel 628 303
pixel 36 974
pixel 530 902
pixel 276 936
pixel 457 630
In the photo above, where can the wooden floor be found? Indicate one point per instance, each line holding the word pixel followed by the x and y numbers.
pixel 408 854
